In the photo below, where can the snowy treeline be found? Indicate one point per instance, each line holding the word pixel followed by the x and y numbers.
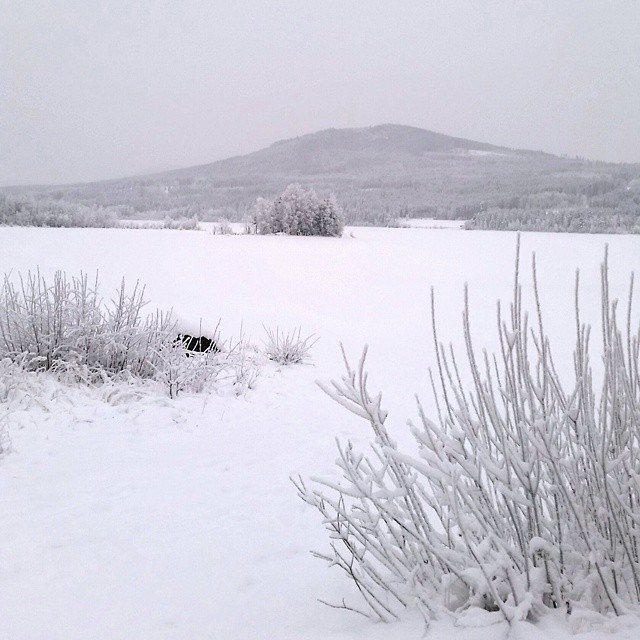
pixel 178 224
pixel 182 224
pixel 297 212
pixel 577 220
pixel 525 495
pixel 29 212
pixel 173 214
pixel 378 178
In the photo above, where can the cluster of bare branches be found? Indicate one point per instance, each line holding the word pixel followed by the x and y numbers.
pixel 67 328
pixel 523 496
pixel 288 348
pixel 232 363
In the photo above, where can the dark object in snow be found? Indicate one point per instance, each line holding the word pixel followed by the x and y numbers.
pixel 201 344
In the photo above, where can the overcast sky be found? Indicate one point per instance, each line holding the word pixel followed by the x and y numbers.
pixel 93 89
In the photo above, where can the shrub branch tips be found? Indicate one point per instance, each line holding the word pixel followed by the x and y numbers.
pixel 524 495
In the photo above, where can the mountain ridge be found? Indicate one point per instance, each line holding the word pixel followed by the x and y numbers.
pixel 385 139
pixel 377 173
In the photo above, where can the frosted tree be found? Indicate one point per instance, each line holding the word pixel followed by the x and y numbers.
pixel 263 217
pixel 299 212
pixel 329 218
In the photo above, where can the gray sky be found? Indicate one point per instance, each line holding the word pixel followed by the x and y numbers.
pixel 93 89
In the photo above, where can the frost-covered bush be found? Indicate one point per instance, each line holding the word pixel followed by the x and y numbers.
pixel 525 495
pixel 182 224
pixel 19 390
pixel 181 370
pixel 222 228
pixel 230 365
pixel 8 371
pixel 174 224
pixel 67 327
pixel 298 212
pixel 287 348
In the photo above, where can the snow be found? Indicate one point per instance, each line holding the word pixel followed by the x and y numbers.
pixel 431 223
pixel 484 153
pixel 124 514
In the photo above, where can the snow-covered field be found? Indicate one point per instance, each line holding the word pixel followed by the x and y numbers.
pixel 432 223
pixel 124 514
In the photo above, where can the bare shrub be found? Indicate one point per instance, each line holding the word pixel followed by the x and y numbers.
pixel 9 381
pixel 181 370
pixel 287 348
pixel 245 365
pixel 222 228
pixel 524 497
pixel 182 224
pixel 67 327
pixel 184 370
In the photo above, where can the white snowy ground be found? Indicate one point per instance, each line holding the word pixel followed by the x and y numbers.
pixel 124 514
pixel 432 223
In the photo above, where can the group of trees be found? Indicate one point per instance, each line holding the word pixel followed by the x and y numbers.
pixel 297 212
pixel 29 212
pixel 572 219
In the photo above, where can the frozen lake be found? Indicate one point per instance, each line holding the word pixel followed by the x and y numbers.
pixel 140 517
pixel 371 288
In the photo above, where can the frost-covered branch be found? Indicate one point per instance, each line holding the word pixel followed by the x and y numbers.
pixel 525 493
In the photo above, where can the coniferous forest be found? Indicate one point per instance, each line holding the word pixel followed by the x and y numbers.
pixel 379 176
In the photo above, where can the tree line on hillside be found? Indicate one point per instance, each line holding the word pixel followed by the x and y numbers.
pixel 446 186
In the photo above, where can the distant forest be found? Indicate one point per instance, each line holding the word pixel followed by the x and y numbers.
pixel 375 185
